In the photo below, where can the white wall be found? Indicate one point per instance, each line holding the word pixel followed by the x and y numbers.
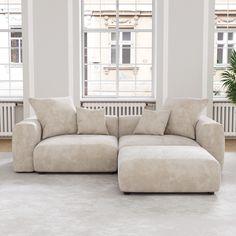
pixel 184 48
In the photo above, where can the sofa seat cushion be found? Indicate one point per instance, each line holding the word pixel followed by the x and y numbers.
pixel 167 169
pixel 76 153
pixel 147 140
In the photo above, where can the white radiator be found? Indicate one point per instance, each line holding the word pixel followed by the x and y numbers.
pixel 7 119
pixel 117 108
pixel 225 113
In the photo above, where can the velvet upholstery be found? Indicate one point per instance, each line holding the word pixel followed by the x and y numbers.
pixel 167 169
pixel 57 116
pixel 152 122
pixel 210 135
pixel 76 153
pixel 157 140
pixel 26 135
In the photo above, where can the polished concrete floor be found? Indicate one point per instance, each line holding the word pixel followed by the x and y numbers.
pixel 72 204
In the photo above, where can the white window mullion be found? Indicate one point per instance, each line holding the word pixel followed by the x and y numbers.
pixel 117 48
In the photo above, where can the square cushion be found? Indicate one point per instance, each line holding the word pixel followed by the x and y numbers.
pixel 56 115
pixel 184 115
pixel 152 122
pixel 91 121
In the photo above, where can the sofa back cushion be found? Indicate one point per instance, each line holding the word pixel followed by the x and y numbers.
pixel 127 125
pixel 91 121
pixel 184 115
pixel 112 125
pixel 152 122
pixel 57 116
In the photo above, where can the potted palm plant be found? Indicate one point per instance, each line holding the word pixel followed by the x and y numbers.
pixel 229 79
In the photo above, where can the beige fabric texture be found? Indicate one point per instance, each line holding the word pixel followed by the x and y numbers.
pixel 77 153
pixel 152 122
pixel 91 121
pixel 210 135
pixel 167 169
pixel 127 124
pixel 155 140
pixel 184 115
pixel 26 135
pixel 112 125
pixel 56 115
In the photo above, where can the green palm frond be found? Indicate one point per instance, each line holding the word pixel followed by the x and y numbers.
pixel 229 79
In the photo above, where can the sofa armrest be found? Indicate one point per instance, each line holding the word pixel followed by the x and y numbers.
pixel 210 135
pixel 26 135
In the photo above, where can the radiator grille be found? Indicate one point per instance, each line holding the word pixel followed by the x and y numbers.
pixel 7 119
pixel 118 108
pixel 225 113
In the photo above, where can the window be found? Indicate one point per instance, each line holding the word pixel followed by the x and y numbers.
pixel 125 48
pixel 11 74
pixel 225 45
pixel 16 47
pixel 117 49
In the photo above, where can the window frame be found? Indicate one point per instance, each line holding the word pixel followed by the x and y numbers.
pixel 13 29
pixel 122 43
pixel 84 97
pixel 224 46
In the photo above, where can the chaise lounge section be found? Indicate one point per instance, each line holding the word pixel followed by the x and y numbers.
pixel 170 163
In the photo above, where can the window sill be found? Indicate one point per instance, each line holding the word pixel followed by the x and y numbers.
pixel 11 99
pixel 153 100
pixel 107 69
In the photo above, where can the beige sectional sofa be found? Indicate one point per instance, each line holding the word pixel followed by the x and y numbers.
pixel 145 163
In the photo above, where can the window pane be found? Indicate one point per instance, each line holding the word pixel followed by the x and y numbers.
pixel 143 39
pixel 15 15
pixel 4 56
pixel 220 55
pixel 126 36
pixel 113 54
pixel 4 16
pixel 16 93
pixel 16 73
pixel 143 55
pixel 126 74
pixel 4 39
pixel 4 93
pixel 230 48
pixel 92 40
pixel 113 36
pixel 4 72
pixel 144 72
pixel 4 85
pixel 220 36
pixel 92 55
pixel 230 36
pixel 126 54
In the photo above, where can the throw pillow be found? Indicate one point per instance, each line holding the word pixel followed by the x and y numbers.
pixel 56 115
pixel 184 115
pixel 91 121
pixel 152 122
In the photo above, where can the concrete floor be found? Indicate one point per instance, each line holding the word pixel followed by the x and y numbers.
pixel 52 204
